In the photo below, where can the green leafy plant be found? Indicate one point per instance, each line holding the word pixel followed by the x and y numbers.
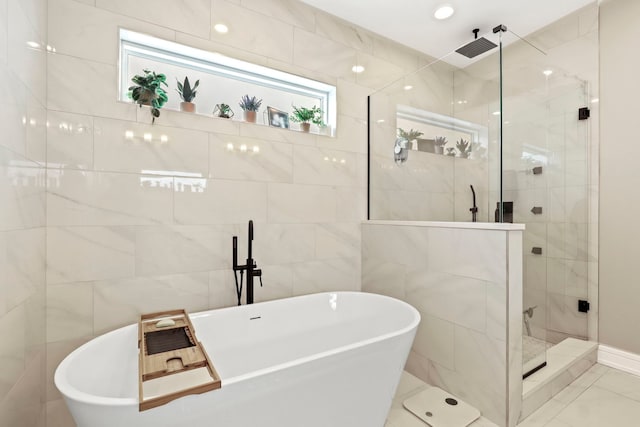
pixel 250 104
pixel 223 110
pixel 464 147
pixel 148 91
pixel 409 136
pixel 307 115
pixel 186 92
pixel 440 141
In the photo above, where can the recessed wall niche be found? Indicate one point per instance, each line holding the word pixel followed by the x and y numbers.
pixel 224 80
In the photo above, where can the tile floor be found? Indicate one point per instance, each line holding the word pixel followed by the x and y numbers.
pixel 601 397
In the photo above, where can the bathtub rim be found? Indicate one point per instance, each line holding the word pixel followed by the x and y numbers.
pixel 71 392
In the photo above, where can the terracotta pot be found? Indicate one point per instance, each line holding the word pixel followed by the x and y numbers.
pixel 188 107
pixel 305 127
pixel 250 116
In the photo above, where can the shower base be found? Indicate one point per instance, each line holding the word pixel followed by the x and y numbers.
pixel 566 361
pixel 534 351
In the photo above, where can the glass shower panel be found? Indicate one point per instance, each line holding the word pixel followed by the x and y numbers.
pixel 410 178
pixel 441 122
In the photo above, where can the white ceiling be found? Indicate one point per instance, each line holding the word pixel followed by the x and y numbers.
pixel 411 22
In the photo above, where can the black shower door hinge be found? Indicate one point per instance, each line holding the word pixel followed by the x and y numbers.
pixel 584 113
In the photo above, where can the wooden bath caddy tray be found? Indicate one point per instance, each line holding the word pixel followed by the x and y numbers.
pixel 172 363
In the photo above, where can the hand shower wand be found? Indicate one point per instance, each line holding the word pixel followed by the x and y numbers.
pixel 474 209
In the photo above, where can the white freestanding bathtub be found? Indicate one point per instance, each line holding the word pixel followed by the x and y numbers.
pixel 323 360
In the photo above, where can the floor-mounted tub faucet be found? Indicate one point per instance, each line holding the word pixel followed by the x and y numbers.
pixel 250 267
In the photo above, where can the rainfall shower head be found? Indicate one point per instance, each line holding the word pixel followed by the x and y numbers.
pixel 476 47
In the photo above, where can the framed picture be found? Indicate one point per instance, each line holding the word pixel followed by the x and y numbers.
pixel 278 118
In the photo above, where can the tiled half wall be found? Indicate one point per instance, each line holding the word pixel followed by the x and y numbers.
pixel 466 281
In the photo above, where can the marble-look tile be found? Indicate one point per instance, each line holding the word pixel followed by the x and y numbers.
pixel 29 65
pixel 120 302
pixel 13 107
pixel 251 130
pixel 69 141
pixel 68 78
pixel 58 414
pixel 69 311
pixel 382 277
pixel 56 352
pixel 352 99
pixel 326 275
pixel 21 192
pixel 324 167
pixel 351 204
pixel 343 32
pixel 457 299
pixel 268 36
pixel 4 25
pixel 12 356
pixel 289 203
pixel 492 405
pixel 620 383
pixel 22 406
pixel 143 148
pixel 435 340
pixel 282 243
pixel 193 17
pixel 89 32
pixel 189 121
pixel 199 201
pixel 401 245
pixel 377 72
pixel 222 290
pixel 260 160
pixel 598 407
pixel 278 283
pixel 97 198
pixel 290 11
pixel 351 134
pixel 563 315
pixel 390 51
pixel 337 240
pixel 36 131
pixel 90 253
pixel 24 264
pixel 318 53
pixel 182 249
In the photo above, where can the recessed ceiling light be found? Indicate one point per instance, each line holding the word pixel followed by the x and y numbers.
pixel 221 28
pixel 547 72
pixel 496 113
pixel 32 44
pixel 408 87
pixel 357 68
pixel 595 100
pixel 443 12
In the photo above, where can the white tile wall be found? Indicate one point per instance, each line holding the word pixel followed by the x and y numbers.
pixel 138 225
pixel 457 279
pixel 23 215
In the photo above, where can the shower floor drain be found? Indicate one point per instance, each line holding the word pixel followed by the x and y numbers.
pixel 438 408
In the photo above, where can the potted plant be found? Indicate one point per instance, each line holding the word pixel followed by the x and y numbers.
pixel 250 107
pixel 148 91
pixel 223 110
pixel 410 136
pixel 464 147
pixel 440 142
pixel 306 116
pixel 187 93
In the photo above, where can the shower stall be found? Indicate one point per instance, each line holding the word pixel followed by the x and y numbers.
pixel 498 131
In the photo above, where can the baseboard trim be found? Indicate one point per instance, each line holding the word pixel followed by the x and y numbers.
pixel 619 359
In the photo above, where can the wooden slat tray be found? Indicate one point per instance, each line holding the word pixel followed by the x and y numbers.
pixel 172 363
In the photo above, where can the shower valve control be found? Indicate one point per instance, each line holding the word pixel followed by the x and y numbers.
pixel 583 306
